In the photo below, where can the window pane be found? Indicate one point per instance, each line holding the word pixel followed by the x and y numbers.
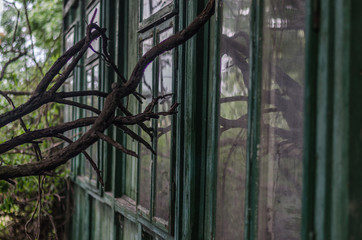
pixel 233 119
pixel 152 6
pixel 92 82
pixel 145 154
pixel 68 110
pixel 89 87
pixel 95 43
pixel 95 85
pixel 281 124
pixel 69 41
pixel 164 132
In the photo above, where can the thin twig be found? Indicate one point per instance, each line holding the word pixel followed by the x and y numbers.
pixel 116 144
pixel 87 156
pixel 31 38
pixel 77 104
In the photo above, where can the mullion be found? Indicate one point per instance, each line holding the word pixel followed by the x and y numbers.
pixel 171 204
pixel 92 104
pixel 254 116
pixel 142 38
pixel 154 127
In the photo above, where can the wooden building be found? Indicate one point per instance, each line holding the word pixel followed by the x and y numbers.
pixel 267 142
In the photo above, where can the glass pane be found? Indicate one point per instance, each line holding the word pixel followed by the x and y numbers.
pixel 95 43
pixel 95 85
pixel 145 154
pixel 281 124
pixel 68 110
pixel 164 132
pixel 233 119
pixel 88 101
pixel 92 82
pixel 152 6
pixel 89 87
pixel 69 41
pixel 94 147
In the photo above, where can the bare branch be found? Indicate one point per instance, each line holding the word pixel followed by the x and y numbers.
pixel 80 94
pixel 31 38
pixel 77 104
pixel 107 116
pixel 11 60
pixel 136 137
pixel 15 93
pixel 87 156
pixel 30 136
pixel 116 144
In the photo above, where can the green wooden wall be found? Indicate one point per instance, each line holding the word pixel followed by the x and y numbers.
pixel 332 139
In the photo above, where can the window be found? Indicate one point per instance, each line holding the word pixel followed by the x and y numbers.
pixel 229 165
pixel 92 83
pixel 265 176
pixel 68 84
pixel 233 119
pixel 155 170
pixel 150 7
pixel 148 180
pixel 90 13
pixel 69 40
pixel 281 122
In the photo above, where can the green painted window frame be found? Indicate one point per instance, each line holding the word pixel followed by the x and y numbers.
pixel 71 22
pixel 186 181
pixel 154 33
pixel 87 63
pixel 256 30
pixel 90 8
pixel 168 11
pixel 91 176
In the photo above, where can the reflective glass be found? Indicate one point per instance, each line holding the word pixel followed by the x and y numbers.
pixel 165 79
pixel 152 6
pixel 234 53
pixel 281 124
pixel 92 83
pixel 145 154
pixel 69 41
pixel 95 43
pixel 68 110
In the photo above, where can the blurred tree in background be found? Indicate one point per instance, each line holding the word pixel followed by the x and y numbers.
pixel 30 42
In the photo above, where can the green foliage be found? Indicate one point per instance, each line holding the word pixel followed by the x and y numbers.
pixel 17 202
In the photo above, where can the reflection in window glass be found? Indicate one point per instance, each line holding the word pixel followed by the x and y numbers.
pixel 281 124
pixel 87 166
pixel 69 41
pixel 152 6
pixel 145 154
pixel 233 119
pixel 164 132
pixel 95 43
pixel 92 83
pixel 68 110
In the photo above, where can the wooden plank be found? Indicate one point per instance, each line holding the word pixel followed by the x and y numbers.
pixel 254 116
pixel 354 182
pixel 324 122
